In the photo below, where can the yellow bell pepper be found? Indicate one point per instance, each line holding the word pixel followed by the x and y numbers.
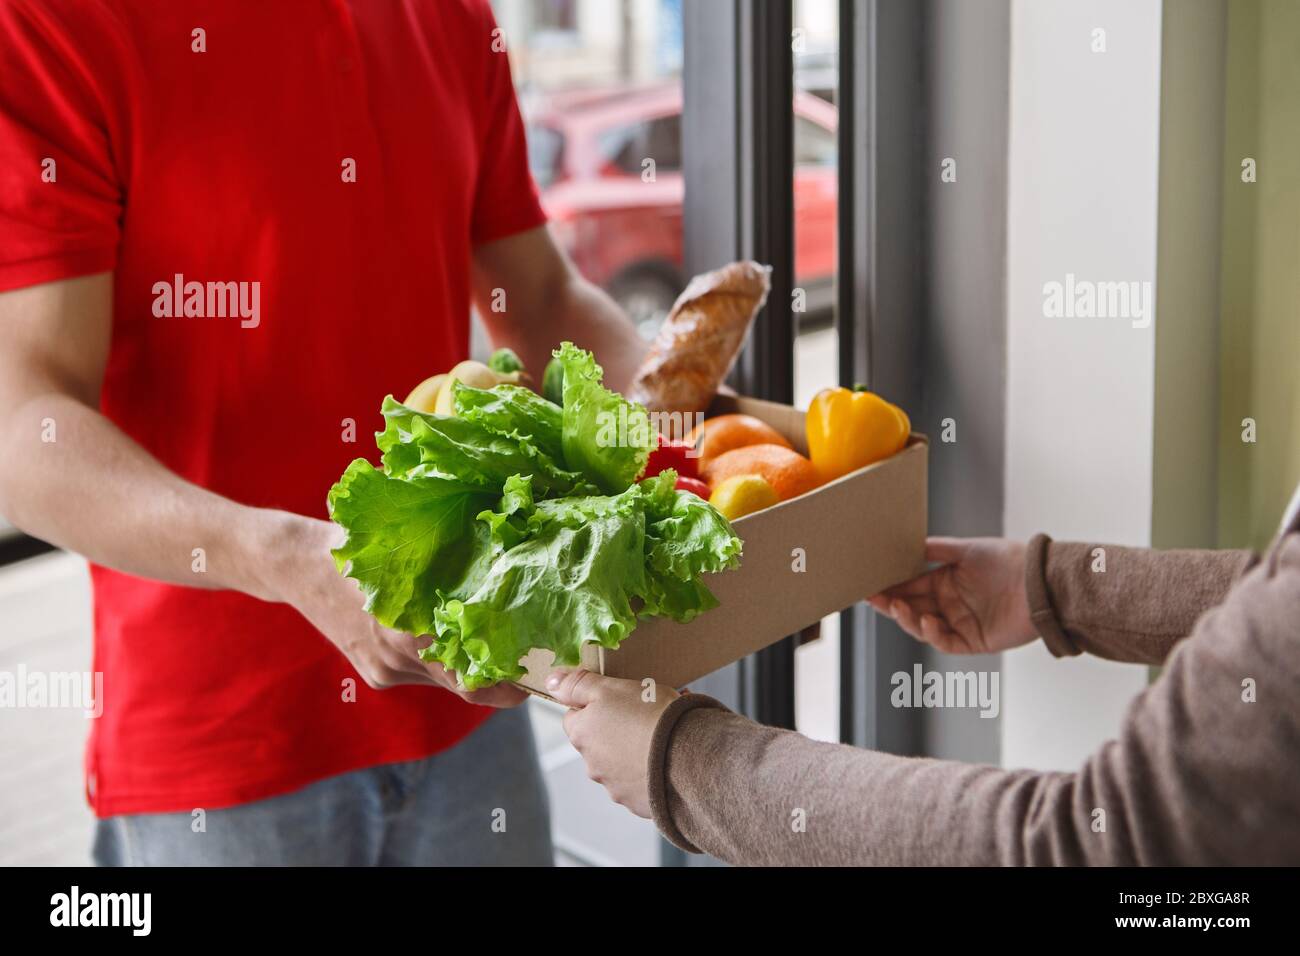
pixel 849 428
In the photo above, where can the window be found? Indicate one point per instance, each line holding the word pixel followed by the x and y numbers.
pixel 628 147
pixel 545 153
pixel 598 83
pixel 816 344
pixel 814 145
pixel 555 16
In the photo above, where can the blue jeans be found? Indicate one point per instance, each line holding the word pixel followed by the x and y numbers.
pixel 483 802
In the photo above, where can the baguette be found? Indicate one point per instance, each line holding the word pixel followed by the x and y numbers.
pixel 700 339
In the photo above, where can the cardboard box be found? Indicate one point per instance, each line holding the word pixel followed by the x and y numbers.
pixel 858 534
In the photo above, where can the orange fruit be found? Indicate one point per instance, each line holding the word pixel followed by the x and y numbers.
pixel 742 495
pixel 717 436
pixel 789 473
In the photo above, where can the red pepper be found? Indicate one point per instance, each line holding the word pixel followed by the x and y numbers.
pixel 694 486
pixel 677 455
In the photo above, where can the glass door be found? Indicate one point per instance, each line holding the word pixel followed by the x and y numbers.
pixel 599 83
pixel 815 47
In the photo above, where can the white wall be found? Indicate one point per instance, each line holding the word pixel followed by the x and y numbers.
pixel 1083 165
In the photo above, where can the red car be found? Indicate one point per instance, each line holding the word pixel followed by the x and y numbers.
pixel 589 150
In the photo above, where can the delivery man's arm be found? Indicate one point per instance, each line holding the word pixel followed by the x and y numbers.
pixel 71 477
pixel 540 301
pixel 1203 770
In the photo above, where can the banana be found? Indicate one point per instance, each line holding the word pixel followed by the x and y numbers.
pixel 474 374
pixel 424 396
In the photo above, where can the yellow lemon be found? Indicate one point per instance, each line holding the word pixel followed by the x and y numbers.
pixel 741 495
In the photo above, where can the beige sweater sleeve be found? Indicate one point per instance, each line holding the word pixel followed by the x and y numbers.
pixel 1124 604
pixel 1204 770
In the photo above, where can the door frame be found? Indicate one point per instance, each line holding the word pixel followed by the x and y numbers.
pixel 738 164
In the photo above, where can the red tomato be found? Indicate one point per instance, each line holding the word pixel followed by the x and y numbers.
pixel 677 455
pixel 693 485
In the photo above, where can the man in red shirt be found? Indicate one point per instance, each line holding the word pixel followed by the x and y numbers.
pixel 226 232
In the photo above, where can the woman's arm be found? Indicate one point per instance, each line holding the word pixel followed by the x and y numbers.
pixel 1202 772
pixel 1124 604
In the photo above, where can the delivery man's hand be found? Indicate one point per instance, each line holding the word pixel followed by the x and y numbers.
pixel 610 722
pixel 334 604
pixel 975 604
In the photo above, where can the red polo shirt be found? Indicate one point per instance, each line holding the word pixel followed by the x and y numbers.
pixel 216 142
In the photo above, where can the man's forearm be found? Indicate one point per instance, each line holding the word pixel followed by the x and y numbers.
pixel 71 477
pixel 588 317
pixel 531 298
pixel 576 311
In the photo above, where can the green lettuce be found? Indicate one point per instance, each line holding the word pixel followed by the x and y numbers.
pixel 514 526
pixel 605 436
pixel 684 540
pixel 405 535
pixel 514 411
pixel 418 443
pixel 569 581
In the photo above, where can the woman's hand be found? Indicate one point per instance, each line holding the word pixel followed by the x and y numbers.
pixel 610 722
pixel 974 604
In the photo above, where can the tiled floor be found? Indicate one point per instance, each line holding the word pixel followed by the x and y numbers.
pixel 44 625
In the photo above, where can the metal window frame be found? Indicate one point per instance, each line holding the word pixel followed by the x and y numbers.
pixel 880 298
pixel 16 546
pixel 738 152
pixel 909 82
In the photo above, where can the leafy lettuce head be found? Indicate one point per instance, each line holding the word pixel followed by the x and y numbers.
pixel 517 524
